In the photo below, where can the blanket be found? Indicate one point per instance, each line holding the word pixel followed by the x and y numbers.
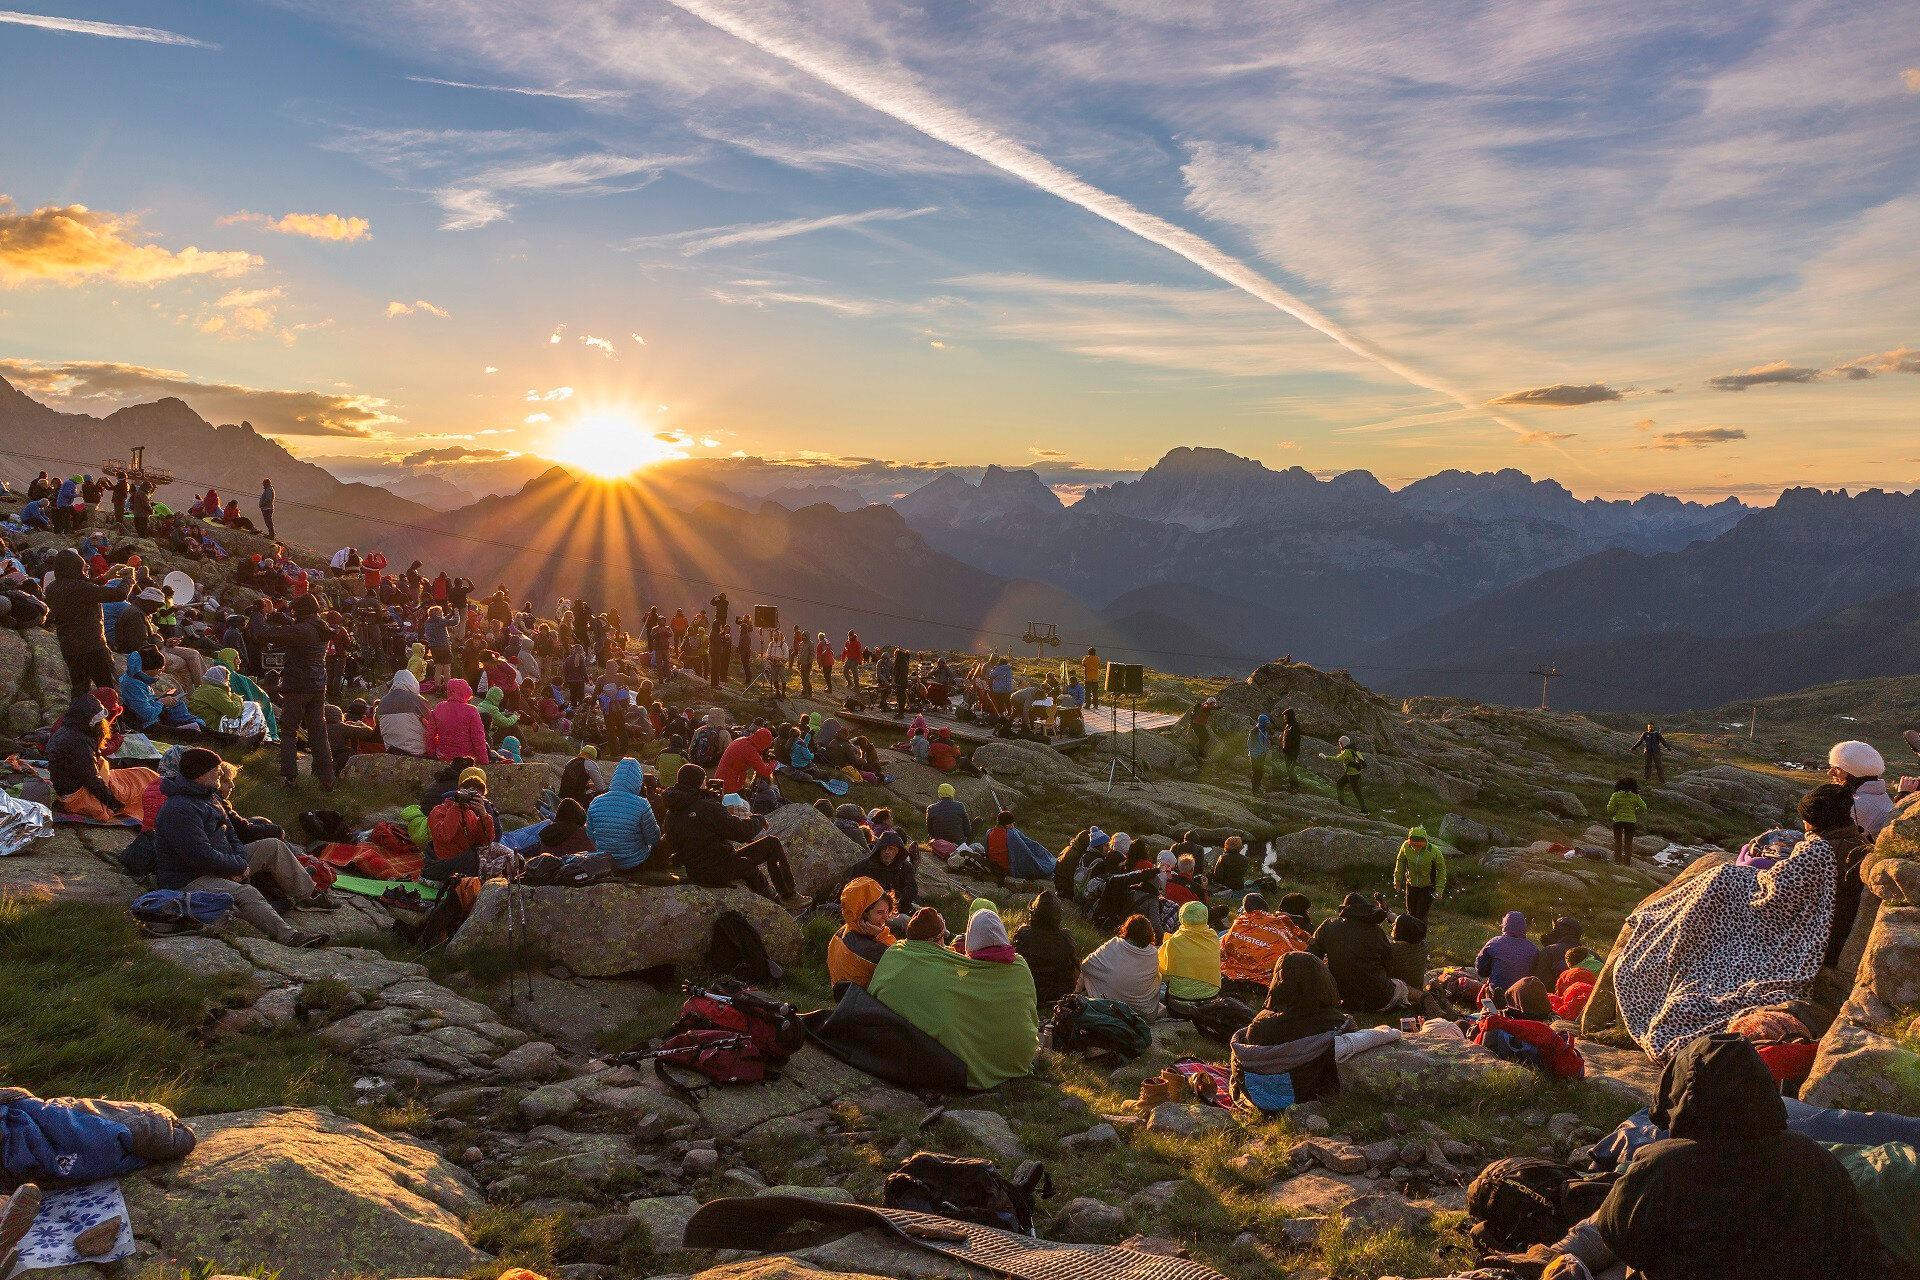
pixel 1731 939
pixel 981 1010
pixel 64 1216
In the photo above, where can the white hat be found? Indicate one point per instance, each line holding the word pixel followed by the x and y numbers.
pixel 1857 759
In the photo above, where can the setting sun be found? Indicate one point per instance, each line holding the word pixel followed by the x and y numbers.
pixel 611 445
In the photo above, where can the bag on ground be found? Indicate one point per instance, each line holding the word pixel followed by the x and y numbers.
pixel 968 1190
pixel 178 911
pixel 1093 1027
pixel 1522 1201
pixel 738 951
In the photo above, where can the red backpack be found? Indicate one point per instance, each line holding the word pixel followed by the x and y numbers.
pixel 731 1034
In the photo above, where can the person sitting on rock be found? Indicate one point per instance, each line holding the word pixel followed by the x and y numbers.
pixel 82 781
pixel 1044 943
pixel 852 823
pixel 986 937
pixel 1509 955
pixel 1229 873
pixel 201 845
pixel 1254 943
pixel 890 864
pixel 1291 1051
pixel 857 947
pixel 621 821
pixel 454 727
pixel 1185 883
pixel 226 714
pixel 1827 812
pixel 463 824
pixel 402 716
pixel 1555 943
pixel 1357 952
pixel 744 758
pixel 1013 853
pixel 150 704
pixel 1126 968
pixel 1528 999
pixel 580 779
pixel 715 848
pixel 948 820
pixel 1407 941
pixel 1190 957
pixel 979 1006
pixel 927 925
pixel 1861 769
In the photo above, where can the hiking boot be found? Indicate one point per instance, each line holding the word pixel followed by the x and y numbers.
pixel 17 1213
pixel 323 900
pixel 303 940
pixel 1157 1090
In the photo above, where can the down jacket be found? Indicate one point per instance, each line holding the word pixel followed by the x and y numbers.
pixel 621 821
pixel 454 728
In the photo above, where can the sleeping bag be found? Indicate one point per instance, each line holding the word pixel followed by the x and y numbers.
pixel 59 1142
pixel 981 1010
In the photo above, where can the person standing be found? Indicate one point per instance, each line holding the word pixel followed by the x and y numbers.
pixel 1199 720
pixel 266 506
pixel 1352 765
pixel 719 651
pixel 823 650
pixel 1259 750
pixel 141 504
pixel 1290 747
pixel 902 674
pixel 1624 810
pixel 1090 667
pixel 79 624
pixel 850 660
pixel 803 656
pixel 122 490
pixel 1420 870
pixel 303 689
pixel 743 641
pixel 1653 746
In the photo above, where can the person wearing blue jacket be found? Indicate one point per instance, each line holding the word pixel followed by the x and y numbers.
pixel 621 821
pixel 1259 748
pixel 146 709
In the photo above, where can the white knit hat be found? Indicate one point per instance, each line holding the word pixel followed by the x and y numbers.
pixel 1857 759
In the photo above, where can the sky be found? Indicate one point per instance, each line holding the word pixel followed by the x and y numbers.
pixel 1632 246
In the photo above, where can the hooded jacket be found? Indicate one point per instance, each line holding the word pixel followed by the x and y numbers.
pixel 304 641
pixel 402 716
pixel 490 707
pixel 702 834
pixel 73 757
pixel 214 700
pixel 621 821
pixel 137 698
pixel 1190 956
pixel 1358 954
pixel 1561 938
pixel 1733 1195
pixel 1294 1037
pixel 1044 943
pixel 948 819
pixel 454 728
pixel 133 628
pixel 194 836
pixel 852 954
pixel 1508 957
pixel 1420 866
pixel 900 878
pixel 745 757
pixel 74 603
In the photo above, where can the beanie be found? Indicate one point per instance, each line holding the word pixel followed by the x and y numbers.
pixel 1857 760
pixel 197 762
pixel 946 791
pixel 590 752
pixel 306 607
pixel 473 773
pixel 926 925
pixel 690 775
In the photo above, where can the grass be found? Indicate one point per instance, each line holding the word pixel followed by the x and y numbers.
pixel 91 1011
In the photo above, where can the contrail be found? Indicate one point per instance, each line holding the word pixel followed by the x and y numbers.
pixel 891 94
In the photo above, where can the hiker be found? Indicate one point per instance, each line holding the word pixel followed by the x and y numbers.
pixel 303 689
pixel 244 686
pixel 201 845
pixel 1562 937
pixel 902 676
pixel 823 654
pixel 1190 957
pixel 1255 941
pixel 82 781
pixel 266 507
pixel 1044 943
pixel 580 781
pixel 948 820
pixel 856 948
pixel 73 603
pixel 1420 871
pixel 980 1007
pixel 715 848
pixel 1860 768
pixel 1508 956
pixel 402 716
pixel 621 821
pixel 1289 745
pixel 1352 764
pixel 927 925
pixel 1259 750
pixel 1185 883
pixel 745 757
pixel 1200 720
pixel 1732 1191
pixel 1291 1051
pixel 454 728
pixel 1625 808
pixel 463 824
pixel 224 712
pixel 890 864
pixel 1126 968
pixel 1827 812
pixel 133 623
pixel 1358 954
pixel 1653 746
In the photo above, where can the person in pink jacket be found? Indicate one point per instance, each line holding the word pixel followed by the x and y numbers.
pixel 454 728
pixel 744 757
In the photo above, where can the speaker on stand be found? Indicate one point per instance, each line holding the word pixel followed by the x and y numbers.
pixel 1126 680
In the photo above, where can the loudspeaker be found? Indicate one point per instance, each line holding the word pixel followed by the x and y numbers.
pixel 1126 678
pixel 766 617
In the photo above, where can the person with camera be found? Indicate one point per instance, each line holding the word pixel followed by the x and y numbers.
pixel 716 848
pixel 463 824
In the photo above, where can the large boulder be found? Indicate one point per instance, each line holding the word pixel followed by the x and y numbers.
pixel 513 788
pixel 818 851
pixel 1326 704
pixel 1427 1065
pixel 309 1195
pixel 612 928
pixel 1863 1070
pixel 1328 848
pixel 1465 834
pixel 1030 766
pixel 1891 965
pixel 65 866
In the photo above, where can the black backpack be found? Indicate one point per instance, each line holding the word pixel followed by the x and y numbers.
pixel 738 951
pixel 969 1190
pixel 1220 1017
pixel 1094 1028
pixel 141 857
pixel 1522 1201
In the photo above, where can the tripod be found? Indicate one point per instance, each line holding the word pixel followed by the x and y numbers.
pixel 1132 763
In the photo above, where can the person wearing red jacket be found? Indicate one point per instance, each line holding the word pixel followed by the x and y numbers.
pixel 744 757
pixel 462 825
pixel 850 660
pixel 823 651
pixel 454 728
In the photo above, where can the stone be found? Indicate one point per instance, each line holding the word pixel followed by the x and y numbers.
pixel 549 1103
pixel 585 1271
pixel 1303 1230
pixel 1561 1126
pixel 1087 1221
pixel 309 1194
pixel 1863 1070
pixel 614 928
pixel 198 954
pixel 1895 881
pixel 1183 1120
pixel 61 866
pixel 1329 848
pixel 368 1026
pixel 536 1060
pixel 665 1219
pixel 358 969
pixel 830 1195
pixel 1322 1194
pixel 1154 1199
pixel 1159 1246
pixel 423 995
pixel 857 1255
pixel 608 1229
pixel 1335 1156
pixel 1381 1153
pixel 742 1182
pixel 700 1163
pixel 590 1157
pixel 1099 1136
pixel 812 1078
pixel 990 1130
pixel 278 1008
pixel 513 788
pixel 1427 1065
pixel 1465 834
pixel 818 852
pixel 1387 1212
pixel 1891 965
pixel 1563 804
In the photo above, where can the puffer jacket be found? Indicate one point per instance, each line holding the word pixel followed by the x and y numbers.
pixel 137 698
pixel 744 757
pixel 305 644
pixel 73 760
pixel 194 836
pixel 1420 865
pixel 454 729
pixel 459 824
pixel 621 821
pixel 74 603
pixel 402 716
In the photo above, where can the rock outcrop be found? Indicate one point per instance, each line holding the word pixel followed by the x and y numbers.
pixel 1328 848
pixel 513 788
pixel 1427 1065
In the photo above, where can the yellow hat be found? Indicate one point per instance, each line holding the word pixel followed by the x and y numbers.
pixel 946 791
pixel 475 774
pixel 590 751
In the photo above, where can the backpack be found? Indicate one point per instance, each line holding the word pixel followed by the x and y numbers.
pixel 717 1057
pixel 169 911
pixel 1092 1027
pixel 705 749
pixel 738 951
pixel 773 1026
pixel 328 825
pixel 1220 1017
pixel 1522 1201
pixel 968 1190
pixel 141 857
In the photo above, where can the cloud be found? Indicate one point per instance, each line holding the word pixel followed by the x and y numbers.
pixel 558 393
pixel 569 95
pixel 407 309
pixel 455 453
pixel 637 338
pixel 1643 424
pixel 554 337
pixel 1047 454
pixel 1695 438
pixel 1543 437
pixel 314 226
pixel 693 243
pixel 600 343
pixel 1898 360
pixel 111 30
pixel 533 418
pixel 82 386
pixel 73 244
pixel 1560 395
pixel 1911 78
pixel 1763 375
pixel 248 313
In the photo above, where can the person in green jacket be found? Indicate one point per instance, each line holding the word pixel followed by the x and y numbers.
pixel 1624 808
pixel 225 712
pixel 1421 871
pixel 496 716
pixel 1352 764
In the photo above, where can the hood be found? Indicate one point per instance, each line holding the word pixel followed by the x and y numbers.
pixel 179 786
pixel 417 650
pixel 1718 1087
pixel 857 897
pixel 1264 722
pixel 493 696
pixel 459 690
pixel 986 930
pixel 627 776
pixel 220 676
pixel 229 658
pixel 68 564
pixel 1045 913
pixel 1193 915
pixel 1417 833
pixel 763 737
pixel 1302 984
pixel 1529 996
pixel 1358 907
pixel 135 667
pixel 1515 925
pixel 1565 930
pixel 404 682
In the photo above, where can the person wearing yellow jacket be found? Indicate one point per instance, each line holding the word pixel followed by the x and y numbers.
pixel 1421 871
pixel 1190 957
